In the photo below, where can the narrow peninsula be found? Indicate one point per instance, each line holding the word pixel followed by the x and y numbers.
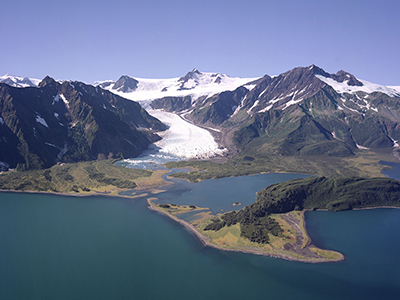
pixel 274 225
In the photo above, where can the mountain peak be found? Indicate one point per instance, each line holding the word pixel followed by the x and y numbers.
pixel 17 81
pixel 195 71
pixel 318 71
pixel 342 76
pixel 47 81
pixel 125 83
pixel 190 75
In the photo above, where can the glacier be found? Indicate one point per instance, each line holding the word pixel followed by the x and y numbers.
pixel 184 139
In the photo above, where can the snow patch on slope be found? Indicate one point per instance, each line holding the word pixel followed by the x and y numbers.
pixel 40 120
pixel 265 109
pixel 367 87
pixel 292 102
pixel 64 100
pixel 254 105
pixel 361 147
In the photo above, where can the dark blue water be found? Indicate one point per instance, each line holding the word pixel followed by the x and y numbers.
pixel 394 172
pixel 220 194
pixel 99 247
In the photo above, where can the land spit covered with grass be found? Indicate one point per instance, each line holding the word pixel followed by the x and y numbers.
pixel 106 177
pixel 364 164
pixel 84 178
pixel 274 224
pixel 292 243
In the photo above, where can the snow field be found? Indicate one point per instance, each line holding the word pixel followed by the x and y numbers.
pixel 204 85
pixel 367 87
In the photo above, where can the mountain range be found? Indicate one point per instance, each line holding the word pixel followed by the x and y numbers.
pixel 302 112
pixel 69 122
pixel 305 111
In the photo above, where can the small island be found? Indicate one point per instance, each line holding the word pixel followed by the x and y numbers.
pixel 274 225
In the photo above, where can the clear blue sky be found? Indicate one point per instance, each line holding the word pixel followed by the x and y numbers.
pixel 91 40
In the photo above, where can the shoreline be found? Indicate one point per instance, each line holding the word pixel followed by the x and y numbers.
pixel 206 240
pixel 140 193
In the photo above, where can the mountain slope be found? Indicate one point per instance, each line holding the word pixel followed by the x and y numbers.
pixel 69 122
pixel 328 193
pixel 302 112
pixel 299 113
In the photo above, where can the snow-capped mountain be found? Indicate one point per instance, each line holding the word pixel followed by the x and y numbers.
pixel 364 86
pixel 294 86
pixel 304 111
pixel 194 84
pixel 17 81
pixel 196 89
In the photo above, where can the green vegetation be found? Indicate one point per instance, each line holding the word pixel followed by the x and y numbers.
pixel 175 210
pixel 255 227
pixel 96 176
pixel 334 194
pixel 364 164
pixel 285 244
pixel 100 177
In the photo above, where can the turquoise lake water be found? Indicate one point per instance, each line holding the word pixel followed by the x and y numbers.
pixel 103 247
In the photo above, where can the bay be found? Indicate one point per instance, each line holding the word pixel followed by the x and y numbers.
pixel 220 194
pixel 104 247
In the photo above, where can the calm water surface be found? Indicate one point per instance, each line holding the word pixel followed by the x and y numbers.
pixel 394 172
pixel 98 247
pixel 220 194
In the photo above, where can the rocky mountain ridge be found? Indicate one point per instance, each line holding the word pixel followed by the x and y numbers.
pixel 68 122
pixel 304 111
